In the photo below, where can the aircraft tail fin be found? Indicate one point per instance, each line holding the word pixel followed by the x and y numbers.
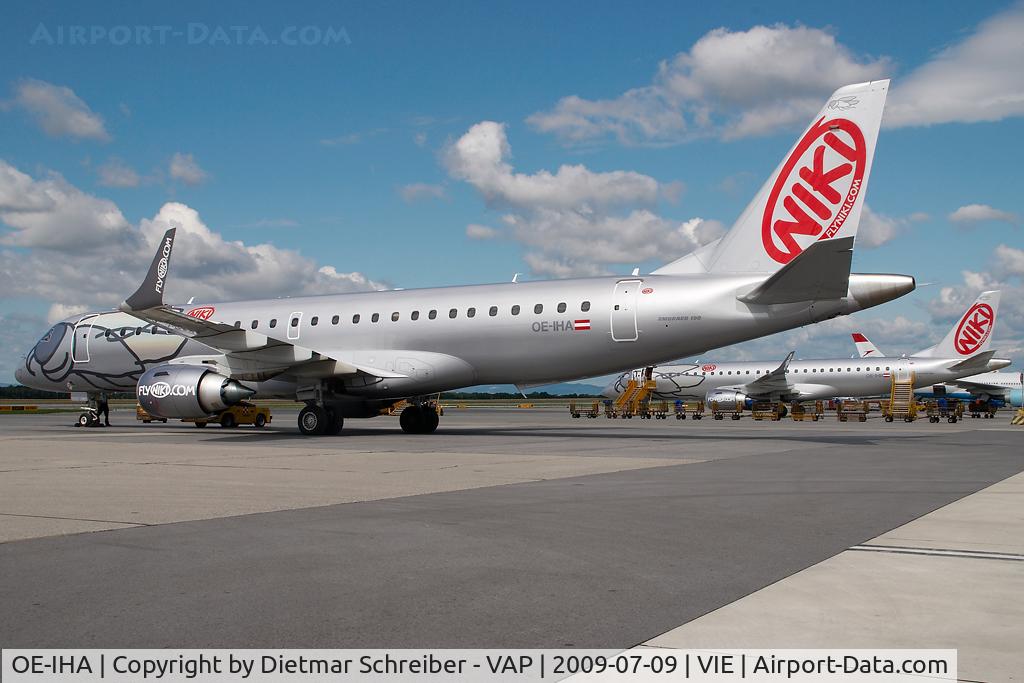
pixel 150 293
pixel 865 349
pixel 815 194
pixel 972 333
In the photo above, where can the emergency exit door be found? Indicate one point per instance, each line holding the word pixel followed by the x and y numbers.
pixel 624 310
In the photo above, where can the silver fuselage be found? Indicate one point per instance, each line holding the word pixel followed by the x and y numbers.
pixel 633 321
pixel 810 379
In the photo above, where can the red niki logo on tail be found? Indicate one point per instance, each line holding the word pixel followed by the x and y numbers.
pixel 818 186
pixel 201 312
pixel 974 329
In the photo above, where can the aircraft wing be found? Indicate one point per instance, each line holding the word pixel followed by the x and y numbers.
pixel 249 354
pixel 775 382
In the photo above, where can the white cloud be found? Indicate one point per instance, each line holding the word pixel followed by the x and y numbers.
pixel 185 168
pixel 419 191
pixel 977 79
pixel 735 84
pixel 877 229
pixel 575 221
pixel 1009 261
pixel 420 139
pixel 53 214
pixel 116 173
pixel 481 232
pixel 59 311
pixel 730 84
pixel 480 157
pixel 58 110
pixel 351 138
pixel 972 214
pixel 77 250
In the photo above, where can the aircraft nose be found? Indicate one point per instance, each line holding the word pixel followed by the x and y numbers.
pixel 20 376
pixel 610 391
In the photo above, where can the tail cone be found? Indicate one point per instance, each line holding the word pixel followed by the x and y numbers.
pixel 232 392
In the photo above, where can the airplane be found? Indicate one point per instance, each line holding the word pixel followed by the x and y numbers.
pixel 963 352
pixel 785 263
pixel 990 388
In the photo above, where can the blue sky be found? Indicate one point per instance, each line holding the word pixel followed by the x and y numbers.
pixel 341 154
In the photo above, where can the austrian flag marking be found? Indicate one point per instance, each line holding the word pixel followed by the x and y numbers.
pixel 816 190
pixel 581 325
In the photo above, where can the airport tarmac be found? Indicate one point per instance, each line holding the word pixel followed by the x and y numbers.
pixel 520 528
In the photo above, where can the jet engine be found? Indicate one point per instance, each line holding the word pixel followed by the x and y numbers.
pixel 181 391
pixel 727 400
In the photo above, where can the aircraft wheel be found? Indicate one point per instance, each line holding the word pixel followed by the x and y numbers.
pixel 334 423
pixel 419 420
pixel 313 420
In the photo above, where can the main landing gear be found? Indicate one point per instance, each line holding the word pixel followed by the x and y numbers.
pixel 316 420
pixel 419 419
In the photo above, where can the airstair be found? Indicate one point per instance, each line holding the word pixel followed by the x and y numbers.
pixel 901 399
pixel 636 392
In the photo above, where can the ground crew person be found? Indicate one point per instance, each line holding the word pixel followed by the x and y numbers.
pixel 103 408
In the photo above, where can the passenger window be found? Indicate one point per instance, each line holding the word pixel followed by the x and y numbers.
pixel 515 310
pixel 238 324
pixel 255 324
pixel 585 306
pixel 453 312
pixel 470 312
pixel 314 320
pixel 375 318
pixel 335 320
pixel 432 314
pixel 886 367
pixel 295 322
pixel 814 369
pixel 493 311
pixel 561 307
pixel 538 309
pixel 273 323
pixel 394 317
pixel 355 319
pixel 415 315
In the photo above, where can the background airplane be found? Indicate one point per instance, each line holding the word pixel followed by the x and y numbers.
pixel 997 388
pixel 963 352
pixel 785 263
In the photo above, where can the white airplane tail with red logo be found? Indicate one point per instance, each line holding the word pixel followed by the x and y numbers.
pixel 815 194
pixel 972 334
pixel 865 349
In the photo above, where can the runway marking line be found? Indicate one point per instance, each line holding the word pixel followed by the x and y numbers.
pixel 939 552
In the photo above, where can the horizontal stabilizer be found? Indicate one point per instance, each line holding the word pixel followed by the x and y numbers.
pixel 822 271
pixel 977 362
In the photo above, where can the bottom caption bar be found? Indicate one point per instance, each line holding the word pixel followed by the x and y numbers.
pixel 485 665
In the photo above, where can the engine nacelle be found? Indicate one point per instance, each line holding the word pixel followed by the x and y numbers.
pixel 180 391
pixel 727 400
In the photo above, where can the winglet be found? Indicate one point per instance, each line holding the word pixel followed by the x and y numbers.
pixel 151 293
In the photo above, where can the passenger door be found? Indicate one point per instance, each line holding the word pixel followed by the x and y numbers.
pixel 295 325
pixel 80 344
pixel 624 300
